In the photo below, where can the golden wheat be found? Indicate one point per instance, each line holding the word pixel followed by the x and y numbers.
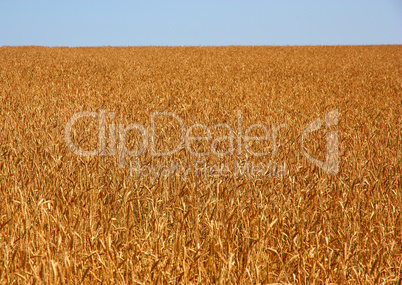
pixel 71 219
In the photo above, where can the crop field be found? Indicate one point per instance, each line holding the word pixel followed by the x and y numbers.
pixel 185 165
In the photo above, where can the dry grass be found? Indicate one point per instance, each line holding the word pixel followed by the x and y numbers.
pixel 71 219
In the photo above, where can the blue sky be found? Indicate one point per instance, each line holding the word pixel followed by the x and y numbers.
pixel 206 22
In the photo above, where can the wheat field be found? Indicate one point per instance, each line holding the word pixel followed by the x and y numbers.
pixel 127 216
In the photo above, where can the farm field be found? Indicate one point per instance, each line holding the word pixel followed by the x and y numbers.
pixel 157 178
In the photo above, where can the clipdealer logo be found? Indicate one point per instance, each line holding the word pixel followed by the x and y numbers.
pixel 114 143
